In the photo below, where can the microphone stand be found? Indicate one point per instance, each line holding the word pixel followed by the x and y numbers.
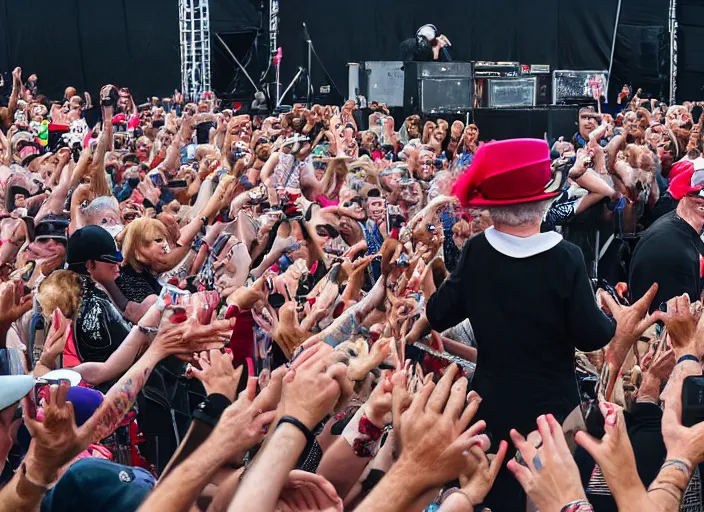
pixel 295 79
pixel 311 52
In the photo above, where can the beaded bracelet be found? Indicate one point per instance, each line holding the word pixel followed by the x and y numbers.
pixel 578 506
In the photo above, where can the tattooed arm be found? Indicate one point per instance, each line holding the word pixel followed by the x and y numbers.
pixel 123 394
pixel 349 322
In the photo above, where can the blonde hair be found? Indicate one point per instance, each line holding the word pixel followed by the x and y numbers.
pixel 62 289
pixel 335 176
pixel 137 234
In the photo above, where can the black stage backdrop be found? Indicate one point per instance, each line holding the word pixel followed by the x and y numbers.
pixel 88 44
pixel 690 78
pixel 134 43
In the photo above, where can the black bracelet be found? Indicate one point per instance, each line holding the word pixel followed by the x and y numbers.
pixel 210 410
pixel 310 438
pixel 688 357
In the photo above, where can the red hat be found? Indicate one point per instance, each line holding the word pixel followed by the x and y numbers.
pixel 508 172
pixel 680 167
pixel 686 182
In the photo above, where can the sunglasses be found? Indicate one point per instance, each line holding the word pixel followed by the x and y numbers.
pixel 327 231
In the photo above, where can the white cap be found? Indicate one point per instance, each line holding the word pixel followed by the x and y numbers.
pixel 429 31
pixel 13 388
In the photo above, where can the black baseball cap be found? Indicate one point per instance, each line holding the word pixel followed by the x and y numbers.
pixel 91 243
pixel 50 227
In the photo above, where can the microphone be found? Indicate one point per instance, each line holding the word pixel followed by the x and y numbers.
pixel 306 35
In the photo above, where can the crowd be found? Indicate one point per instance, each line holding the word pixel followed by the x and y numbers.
pixel 306 310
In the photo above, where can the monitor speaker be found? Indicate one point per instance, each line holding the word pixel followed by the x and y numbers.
pixel 438 87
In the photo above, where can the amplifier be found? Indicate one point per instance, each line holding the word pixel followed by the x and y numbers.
pixel 382 81
pixel 505 92
pixel 569 84
pixel 438 87
pixel 483 68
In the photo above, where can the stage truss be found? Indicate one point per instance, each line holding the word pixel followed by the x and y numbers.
pixel 194 25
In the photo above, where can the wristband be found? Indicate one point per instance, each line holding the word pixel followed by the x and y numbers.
pixel 688 357
pixel 679 464
pixel 300 426
pixel 578 506
pixel 210 410
pixel 23 472
pixel 363 436
pixel 147 330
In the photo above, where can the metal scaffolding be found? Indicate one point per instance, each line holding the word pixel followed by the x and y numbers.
pixel 194 24
pixel 673 25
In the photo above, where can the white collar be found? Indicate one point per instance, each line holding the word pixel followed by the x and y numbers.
pixel 518 247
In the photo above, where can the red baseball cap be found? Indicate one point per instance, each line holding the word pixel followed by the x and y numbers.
pixel 508 172
pixel 680 167
pixel 687 182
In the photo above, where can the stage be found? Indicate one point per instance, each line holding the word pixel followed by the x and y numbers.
pixel 552 121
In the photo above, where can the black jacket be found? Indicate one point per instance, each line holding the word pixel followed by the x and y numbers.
pixel 528 315
pixel 100 327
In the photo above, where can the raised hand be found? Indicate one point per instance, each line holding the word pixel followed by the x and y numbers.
pixel 13 303
pixel 180 334
pixel 477 482
pixel 217 374
pixel 378 406
pixel 631 323
pixel 432 430
pixel 311 390
pixel 56 340
pixel 241 425
pixel 614 455
pixel 57 439
pixel 550 477
pixel 682 320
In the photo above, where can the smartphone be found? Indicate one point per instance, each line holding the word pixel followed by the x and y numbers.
pixel 177 184
pixel 693 400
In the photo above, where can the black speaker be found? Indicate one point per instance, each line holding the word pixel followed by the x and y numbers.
pixel 438 87
pixel 543 89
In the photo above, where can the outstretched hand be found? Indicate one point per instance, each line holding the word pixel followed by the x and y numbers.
pixel 631 323
pixel 550 476
pixel 432 429
pixel 56 440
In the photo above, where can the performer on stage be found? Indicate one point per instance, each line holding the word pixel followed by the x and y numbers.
pixel 527 296
pixel 428 45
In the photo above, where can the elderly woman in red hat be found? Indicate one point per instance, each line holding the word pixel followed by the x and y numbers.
pixel 527 295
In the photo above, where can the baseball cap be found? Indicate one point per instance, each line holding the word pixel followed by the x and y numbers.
pixel 13 388
pixel 689 181
pixel 99 484
pixel 50 227
pixel 91 243
pixel 428 31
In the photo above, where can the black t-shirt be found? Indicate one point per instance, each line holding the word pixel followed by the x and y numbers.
pixel 668 254
pixel 137 286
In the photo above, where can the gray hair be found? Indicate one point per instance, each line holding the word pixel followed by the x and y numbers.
pixel 102 203
pixel 518 214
